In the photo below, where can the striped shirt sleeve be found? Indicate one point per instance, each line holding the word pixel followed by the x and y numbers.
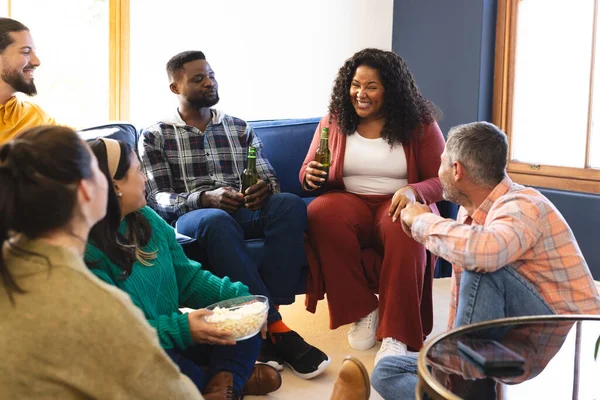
pixel 511 230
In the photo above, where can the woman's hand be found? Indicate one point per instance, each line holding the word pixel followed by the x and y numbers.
pixel 401 199
pixel 315 176
pixel 203 332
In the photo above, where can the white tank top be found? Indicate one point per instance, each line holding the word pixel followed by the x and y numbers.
pixel 371 166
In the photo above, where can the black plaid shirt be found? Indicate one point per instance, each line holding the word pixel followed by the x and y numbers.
pixel 181 162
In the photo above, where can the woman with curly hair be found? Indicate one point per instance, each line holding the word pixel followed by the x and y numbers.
pixel 385 153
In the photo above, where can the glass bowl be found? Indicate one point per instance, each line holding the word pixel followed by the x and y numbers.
pixel 243 317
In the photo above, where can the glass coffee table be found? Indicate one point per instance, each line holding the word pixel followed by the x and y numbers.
pixel 555 356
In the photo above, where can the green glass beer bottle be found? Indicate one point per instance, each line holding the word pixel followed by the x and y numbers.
pixel 323 155
pixel 250 175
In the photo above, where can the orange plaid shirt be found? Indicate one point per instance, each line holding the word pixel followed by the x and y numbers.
pixel 515 226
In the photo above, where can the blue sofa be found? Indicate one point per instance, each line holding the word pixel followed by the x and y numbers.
pixel 285 145
pixel 582 212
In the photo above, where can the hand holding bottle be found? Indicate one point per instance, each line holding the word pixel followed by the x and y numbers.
pixel 315 175
pixel 317 171
pixel 255 195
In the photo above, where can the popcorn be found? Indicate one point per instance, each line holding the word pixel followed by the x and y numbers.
pixel 242 322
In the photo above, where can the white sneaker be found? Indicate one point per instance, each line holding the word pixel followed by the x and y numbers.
pixel 390 347
pixel 361 335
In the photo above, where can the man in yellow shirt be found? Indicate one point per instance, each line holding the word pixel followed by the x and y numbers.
pixel 18 62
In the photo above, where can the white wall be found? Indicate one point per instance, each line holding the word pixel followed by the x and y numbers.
pixel 71 39
pixel 272 58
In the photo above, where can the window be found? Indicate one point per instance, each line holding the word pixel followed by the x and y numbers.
pixel 547 91
pixel 72 45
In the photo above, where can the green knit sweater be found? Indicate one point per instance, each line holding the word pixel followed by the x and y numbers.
pixel 172 281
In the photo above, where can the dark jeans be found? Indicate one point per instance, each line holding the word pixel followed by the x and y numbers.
pixel 281 222
pixel 202 362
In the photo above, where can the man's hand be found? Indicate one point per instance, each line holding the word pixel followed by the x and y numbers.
pixel 401 199
pixel 223 198
pixel 202 332
pixel 410 213
pixel 256 195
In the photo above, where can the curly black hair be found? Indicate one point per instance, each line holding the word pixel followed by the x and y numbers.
pixel 404 107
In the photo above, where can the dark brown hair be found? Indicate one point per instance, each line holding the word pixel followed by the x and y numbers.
pixel 40 170
pixel 7 26
pixel 176 63
pixel 122 250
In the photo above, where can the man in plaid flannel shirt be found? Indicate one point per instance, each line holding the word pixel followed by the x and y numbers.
pixel 512 252
pixel 193 162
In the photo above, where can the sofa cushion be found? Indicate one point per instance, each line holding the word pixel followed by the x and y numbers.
pixel 119 131
pixel 286 143
pixel 580 210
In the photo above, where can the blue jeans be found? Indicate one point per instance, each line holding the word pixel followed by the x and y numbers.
pixel 483 297
pixel 203 361
pixel 281 222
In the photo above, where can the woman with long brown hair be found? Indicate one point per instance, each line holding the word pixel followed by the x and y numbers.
pixel 65 334
pixel 134 249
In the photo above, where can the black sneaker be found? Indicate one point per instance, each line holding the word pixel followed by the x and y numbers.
pixel 306 361
pixel 269 356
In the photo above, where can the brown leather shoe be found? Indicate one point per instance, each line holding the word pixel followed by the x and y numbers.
pixel 352 382
pixel 220 387
pixel 264 379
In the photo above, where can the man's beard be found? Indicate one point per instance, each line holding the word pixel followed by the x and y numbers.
pixel 204 102
pixel 451 194
pixel 16 80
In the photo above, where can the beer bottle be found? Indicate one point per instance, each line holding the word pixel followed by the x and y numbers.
pixel 323 155
pixel 250 175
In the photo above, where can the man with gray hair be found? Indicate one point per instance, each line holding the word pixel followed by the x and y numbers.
pixel 512 252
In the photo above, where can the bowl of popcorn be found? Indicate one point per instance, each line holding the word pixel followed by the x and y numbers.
pixel 243 317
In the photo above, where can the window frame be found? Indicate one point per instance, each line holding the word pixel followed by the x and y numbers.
pixel 119 52
pixel 566 178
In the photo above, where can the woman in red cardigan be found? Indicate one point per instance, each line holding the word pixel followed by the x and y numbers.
pixel 385 153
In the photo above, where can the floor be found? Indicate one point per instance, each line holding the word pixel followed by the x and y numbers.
pixel 314 328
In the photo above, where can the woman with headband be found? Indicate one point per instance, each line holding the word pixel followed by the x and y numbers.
pixel 64 334
pixel 136 250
